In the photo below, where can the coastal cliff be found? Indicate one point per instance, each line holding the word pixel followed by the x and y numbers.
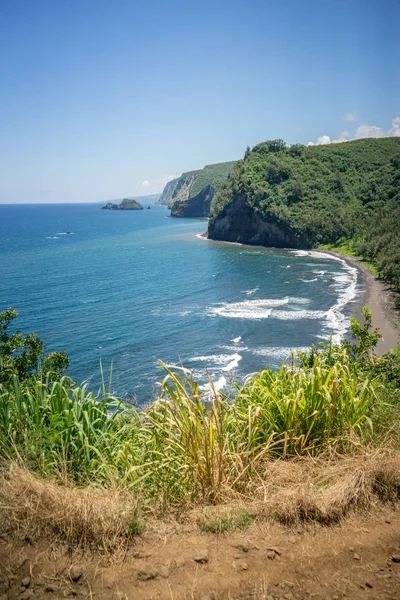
pixel 167 192
pixel 238 222
pixel 302 197
pixel 194 191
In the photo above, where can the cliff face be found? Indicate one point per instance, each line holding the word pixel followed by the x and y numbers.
pixel 238 222
pixel 194 206
pixel 167 192
pixel 195 191
pixel 182 191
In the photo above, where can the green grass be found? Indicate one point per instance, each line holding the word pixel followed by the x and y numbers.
pixel 214 520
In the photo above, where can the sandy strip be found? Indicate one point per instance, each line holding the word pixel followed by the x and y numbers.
pixel 380 301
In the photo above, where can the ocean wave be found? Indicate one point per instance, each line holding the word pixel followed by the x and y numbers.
pixel 337 320
pixel 230 361
pixel 236 358
pixel 299 252
pixel 250 292
pixel 237 339
pixel 290 315
pixel 234 348
pixel 280 352
pixel 308 280
pixel 218 385
pixel 214 363
pixel 315 254
pixel 252 309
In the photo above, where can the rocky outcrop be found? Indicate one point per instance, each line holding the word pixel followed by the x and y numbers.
pixel 167 192
pixel 126 204
pixel 238 222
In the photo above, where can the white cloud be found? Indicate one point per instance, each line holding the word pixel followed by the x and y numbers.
pixel 395 130
pixel 363 131
pixel 350 116
pixel 324 139
pixel 369 131
pixel 146 184
pixel 342 137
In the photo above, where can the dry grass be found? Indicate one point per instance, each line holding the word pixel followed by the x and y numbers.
pixel 101 519
pixel 323 490
pixel 326 489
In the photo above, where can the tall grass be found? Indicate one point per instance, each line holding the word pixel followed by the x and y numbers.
pixel 189 444
pixel 57 426
pixel 308 407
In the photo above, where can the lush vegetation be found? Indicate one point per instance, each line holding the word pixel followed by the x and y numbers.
pixel 191 444
pixel 347 193
pixel 23 356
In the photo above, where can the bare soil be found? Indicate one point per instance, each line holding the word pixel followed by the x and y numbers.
pixel 356 559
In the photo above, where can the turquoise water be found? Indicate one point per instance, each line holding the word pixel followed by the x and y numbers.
pixel 132 288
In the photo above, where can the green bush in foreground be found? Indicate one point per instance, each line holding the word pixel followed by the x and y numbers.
pixel 23 355
pixel 195 444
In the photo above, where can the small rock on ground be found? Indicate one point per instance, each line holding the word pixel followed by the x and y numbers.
pixel 147 572
pixel 396 558
pixel 76 573
pixel 163 571
pixel 240 564
pixel 202 557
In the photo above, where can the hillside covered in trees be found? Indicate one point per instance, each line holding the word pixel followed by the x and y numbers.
pixel 304 197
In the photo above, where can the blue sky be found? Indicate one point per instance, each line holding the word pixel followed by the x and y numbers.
pixel 100 97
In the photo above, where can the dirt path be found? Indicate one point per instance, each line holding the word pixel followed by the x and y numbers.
pixel 266 562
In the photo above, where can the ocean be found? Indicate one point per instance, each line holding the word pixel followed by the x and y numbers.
pixel 132 288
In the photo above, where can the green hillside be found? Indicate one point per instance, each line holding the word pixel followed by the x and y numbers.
pixel 307 196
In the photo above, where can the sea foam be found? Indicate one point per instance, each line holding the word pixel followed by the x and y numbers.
pixel 336 321
pixel 252 309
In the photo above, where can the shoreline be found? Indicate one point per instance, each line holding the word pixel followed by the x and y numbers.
pixel 379 299
pixel 375 295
